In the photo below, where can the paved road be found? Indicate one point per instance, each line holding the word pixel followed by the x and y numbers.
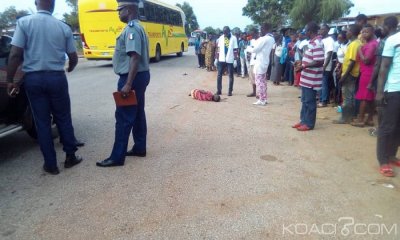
pixel 226 170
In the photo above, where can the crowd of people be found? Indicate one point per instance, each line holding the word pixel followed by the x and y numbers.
pixel 355 68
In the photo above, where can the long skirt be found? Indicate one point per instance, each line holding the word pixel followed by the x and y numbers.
pixel 276 72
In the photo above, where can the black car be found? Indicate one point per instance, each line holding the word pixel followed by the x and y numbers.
pixel 15 113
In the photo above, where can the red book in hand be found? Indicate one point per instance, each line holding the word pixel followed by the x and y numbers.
pixel 129 100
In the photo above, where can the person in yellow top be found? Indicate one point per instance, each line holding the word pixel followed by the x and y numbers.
pixel 350 73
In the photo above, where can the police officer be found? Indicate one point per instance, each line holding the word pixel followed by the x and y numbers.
pixel 41 41
pixel 131 63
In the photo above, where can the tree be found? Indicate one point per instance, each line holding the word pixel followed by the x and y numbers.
pixel 210 30
pixel 249 27
pixel 9 17
pixel 274 12
pixel 72 17
pixel 236 30
pixel 191 19
pixel 305 11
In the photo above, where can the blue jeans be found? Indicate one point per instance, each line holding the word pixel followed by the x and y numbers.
pixel 131 119
pixel 48 96
pixel 308 112
pixel 221 67
pixel 326 83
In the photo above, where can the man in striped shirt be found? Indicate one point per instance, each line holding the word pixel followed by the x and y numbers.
pixel 311 78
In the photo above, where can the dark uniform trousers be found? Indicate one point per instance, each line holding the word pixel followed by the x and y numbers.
pixel 48 96
pixel 131 119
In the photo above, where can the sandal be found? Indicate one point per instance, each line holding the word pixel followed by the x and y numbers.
pixel 386 170
pixel 357 123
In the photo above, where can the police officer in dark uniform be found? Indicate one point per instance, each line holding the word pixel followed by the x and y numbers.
pixel 131 63
pixel 41 41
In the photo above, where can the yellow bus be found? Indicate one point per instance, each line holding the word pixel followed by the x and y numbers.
pixel 100 26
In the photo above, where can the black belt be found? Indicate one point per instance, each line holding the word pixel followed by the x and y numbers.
pixel 46 71
pixel 124 74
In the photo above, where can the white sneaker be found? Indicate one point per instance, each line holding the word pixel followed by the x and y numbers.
pixel 260 103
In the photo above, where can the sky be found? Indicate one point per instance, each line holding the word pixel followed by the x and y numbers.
pixel 209 13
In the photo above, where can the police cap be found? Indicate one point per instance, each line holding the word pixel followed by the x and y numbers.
pixel 124 3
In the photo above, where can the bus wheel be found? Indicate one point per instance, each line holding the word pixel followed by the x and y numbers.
pixel 179 54
pixel 157 58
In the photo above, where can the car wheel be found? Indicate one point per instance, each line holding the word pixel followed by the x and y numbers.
pixel 30 127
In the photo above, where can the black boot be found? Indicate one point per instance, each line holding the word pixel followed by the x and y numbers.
pixel 72 160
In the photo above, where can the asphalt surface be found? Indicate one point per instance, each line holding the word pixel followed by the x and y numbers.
pixel 227 170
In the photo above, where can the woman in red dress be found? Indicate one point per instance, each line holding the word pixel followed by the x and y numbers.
pixel 367 61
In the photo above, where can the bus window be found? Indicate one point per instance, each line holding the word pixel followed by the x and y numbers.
pixel 142 15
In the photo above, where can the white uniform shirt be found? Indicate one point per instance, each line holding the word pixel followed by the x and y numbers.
pixel 262 49
pixel 229 57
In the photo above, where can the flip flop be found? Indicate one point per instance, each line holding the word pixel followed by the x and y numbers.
pixel 386 170
pixel 358 124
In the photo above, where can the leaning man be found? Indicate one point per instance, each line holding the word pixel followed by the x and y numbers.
pixel 131 63
pixel 40 41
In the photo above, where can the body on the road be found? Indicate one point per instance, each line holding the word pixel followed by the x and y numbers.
pixel 131 63
pixel 203 95
pixel 41 41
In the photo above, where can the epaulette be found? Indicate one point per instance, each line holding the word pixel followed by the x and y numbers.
pixel 131 23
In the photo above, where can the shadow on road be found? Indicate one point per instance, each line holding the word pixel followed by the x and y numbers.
pixel 15 145
pixel 108 64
